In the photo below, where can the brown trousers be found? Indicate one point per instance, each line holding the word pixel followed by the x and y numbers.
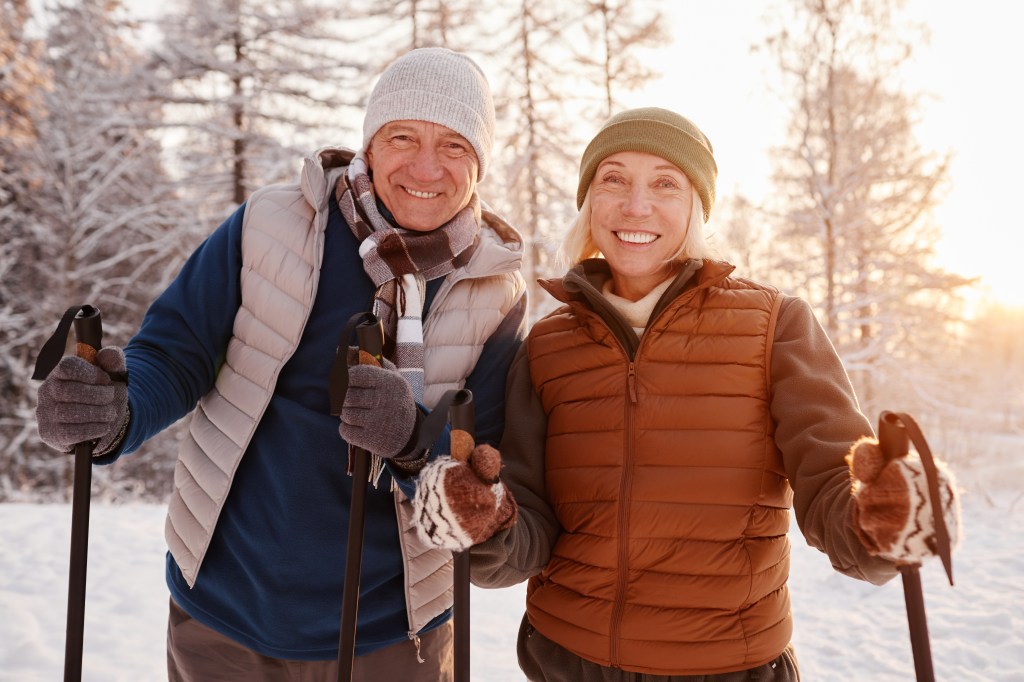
pixel 195 653
pixel 545 661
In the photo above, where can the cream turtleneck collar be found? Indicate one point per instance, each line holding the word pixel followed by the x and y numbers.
pixel 637 313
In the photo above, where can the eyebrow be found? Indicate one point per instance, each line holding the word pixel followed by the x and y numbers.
pixel 454 136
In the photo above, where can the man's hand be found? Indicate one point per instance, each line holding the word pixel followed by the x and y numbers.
pixel 460 504
pixel 892 511
pixel 80 403
pixel 379 414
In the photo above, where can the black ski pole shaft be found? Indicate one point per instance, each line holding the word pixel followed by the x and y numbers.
pixel 370 337
pixel 462 419
pixel 89 332
pixel 913 595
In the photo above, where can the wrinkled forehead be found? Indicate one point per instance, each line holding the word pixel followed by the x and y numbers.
pixel 415 127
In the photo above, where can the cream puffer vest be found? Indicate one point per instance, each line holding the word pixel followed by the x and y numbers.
pixel 282 247
pixel 671 494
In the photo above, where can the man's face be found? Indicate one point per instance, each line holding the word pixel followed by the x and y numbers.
pixel 423 172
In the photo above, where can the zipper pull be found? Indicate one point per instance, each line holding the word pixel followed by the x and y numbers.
pixel 631 379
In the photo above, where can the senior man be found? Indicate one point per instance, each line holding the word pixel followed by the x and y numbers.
pixel 258 519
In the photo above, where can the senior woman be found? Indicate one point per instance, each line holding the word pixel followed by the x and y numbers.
pixel 660 425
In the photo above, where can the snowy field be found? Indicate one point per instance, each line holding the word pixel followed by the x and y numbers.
pixel 845 630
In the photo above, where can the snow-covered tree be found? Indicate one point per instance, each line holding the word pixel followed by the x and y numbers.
pixel 250 87
pixel 101 225
pixel 615 29
pixel 855 193
pixel 23 83
pixel 538 138
pixel 408 24
pixel 741 236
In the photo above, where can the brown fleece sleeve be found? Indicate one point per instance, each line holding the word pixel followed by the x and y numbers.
pixel 517 553
pixel 817 420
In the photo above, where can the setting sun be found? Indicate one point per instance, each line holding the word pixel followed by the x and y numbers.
pixel 967 109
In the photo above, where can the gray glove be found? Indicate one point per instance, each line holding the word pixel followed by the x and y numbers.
pixel 379 414
pixel 79 403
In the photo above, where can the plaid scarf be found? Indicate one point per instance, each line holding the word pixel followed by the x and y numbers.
pixel 400 262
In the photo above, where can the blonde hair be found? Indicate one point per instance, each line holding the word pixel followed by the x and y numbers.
pixel 579 245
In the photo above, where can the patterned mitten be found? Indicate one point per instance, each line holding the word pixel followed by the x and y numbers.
pixel 462 503
pixel 892 511
pixel 81 402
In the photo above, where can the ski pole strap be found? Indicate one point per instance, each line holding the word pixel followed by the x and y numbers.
pixel 89 330
pixel 434 423
pixel 943 548
pixel 894 430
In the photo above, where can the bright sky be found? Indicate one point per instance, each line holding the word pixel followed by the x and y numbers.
pixel 971 69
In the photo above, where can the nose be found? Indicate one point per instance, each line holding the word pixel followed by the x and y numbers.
pixel 637 204
pixel 426 164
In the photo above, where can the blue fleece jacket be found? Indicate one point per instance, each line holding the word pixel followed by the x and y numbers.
pixel 272 578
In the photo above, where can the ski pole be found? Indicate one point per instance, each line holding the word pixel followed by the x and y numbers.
pixel 895 431
pixel 370 337
pixel 456 408
pixel 89 334
pixel 463 424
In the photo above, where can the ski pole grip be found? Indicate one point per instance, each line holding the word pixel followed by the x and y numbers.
pixel 369 331
pixel 461 411
pixel 892 436
pixel 88 333
pixel 463 421
pixel 370 337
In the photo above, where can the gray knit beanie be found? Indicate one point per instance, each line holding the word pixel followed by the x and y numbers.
pixel 437 85
pixel 655 131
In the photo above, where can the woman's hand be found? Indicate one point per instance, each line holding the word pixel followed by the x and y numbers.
pixel 462 503
pixel 891 510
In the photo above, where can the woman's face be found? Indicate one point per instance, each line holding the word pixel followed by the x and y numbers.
pixel 640 210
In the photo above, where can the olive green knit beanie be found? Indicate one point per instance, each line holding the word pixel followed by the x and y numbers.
pixel 659 132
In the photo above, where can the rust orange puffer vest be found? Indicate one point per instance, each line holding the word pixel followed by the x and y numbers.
pixel 663 472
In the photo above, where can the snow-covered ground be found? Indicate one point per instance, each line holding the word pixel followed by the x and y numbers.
pixel 845 630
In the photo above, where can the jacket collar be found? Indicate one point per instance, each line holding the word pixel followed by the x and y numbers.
pixel 586 280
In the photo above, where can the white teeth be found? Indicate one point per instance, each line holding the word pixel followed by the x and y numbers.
pixel 636 237
pixel 421 195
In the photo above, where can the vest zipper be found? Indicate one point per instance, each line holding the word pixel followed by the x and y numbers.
pixel 416 640
pixel 625 491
